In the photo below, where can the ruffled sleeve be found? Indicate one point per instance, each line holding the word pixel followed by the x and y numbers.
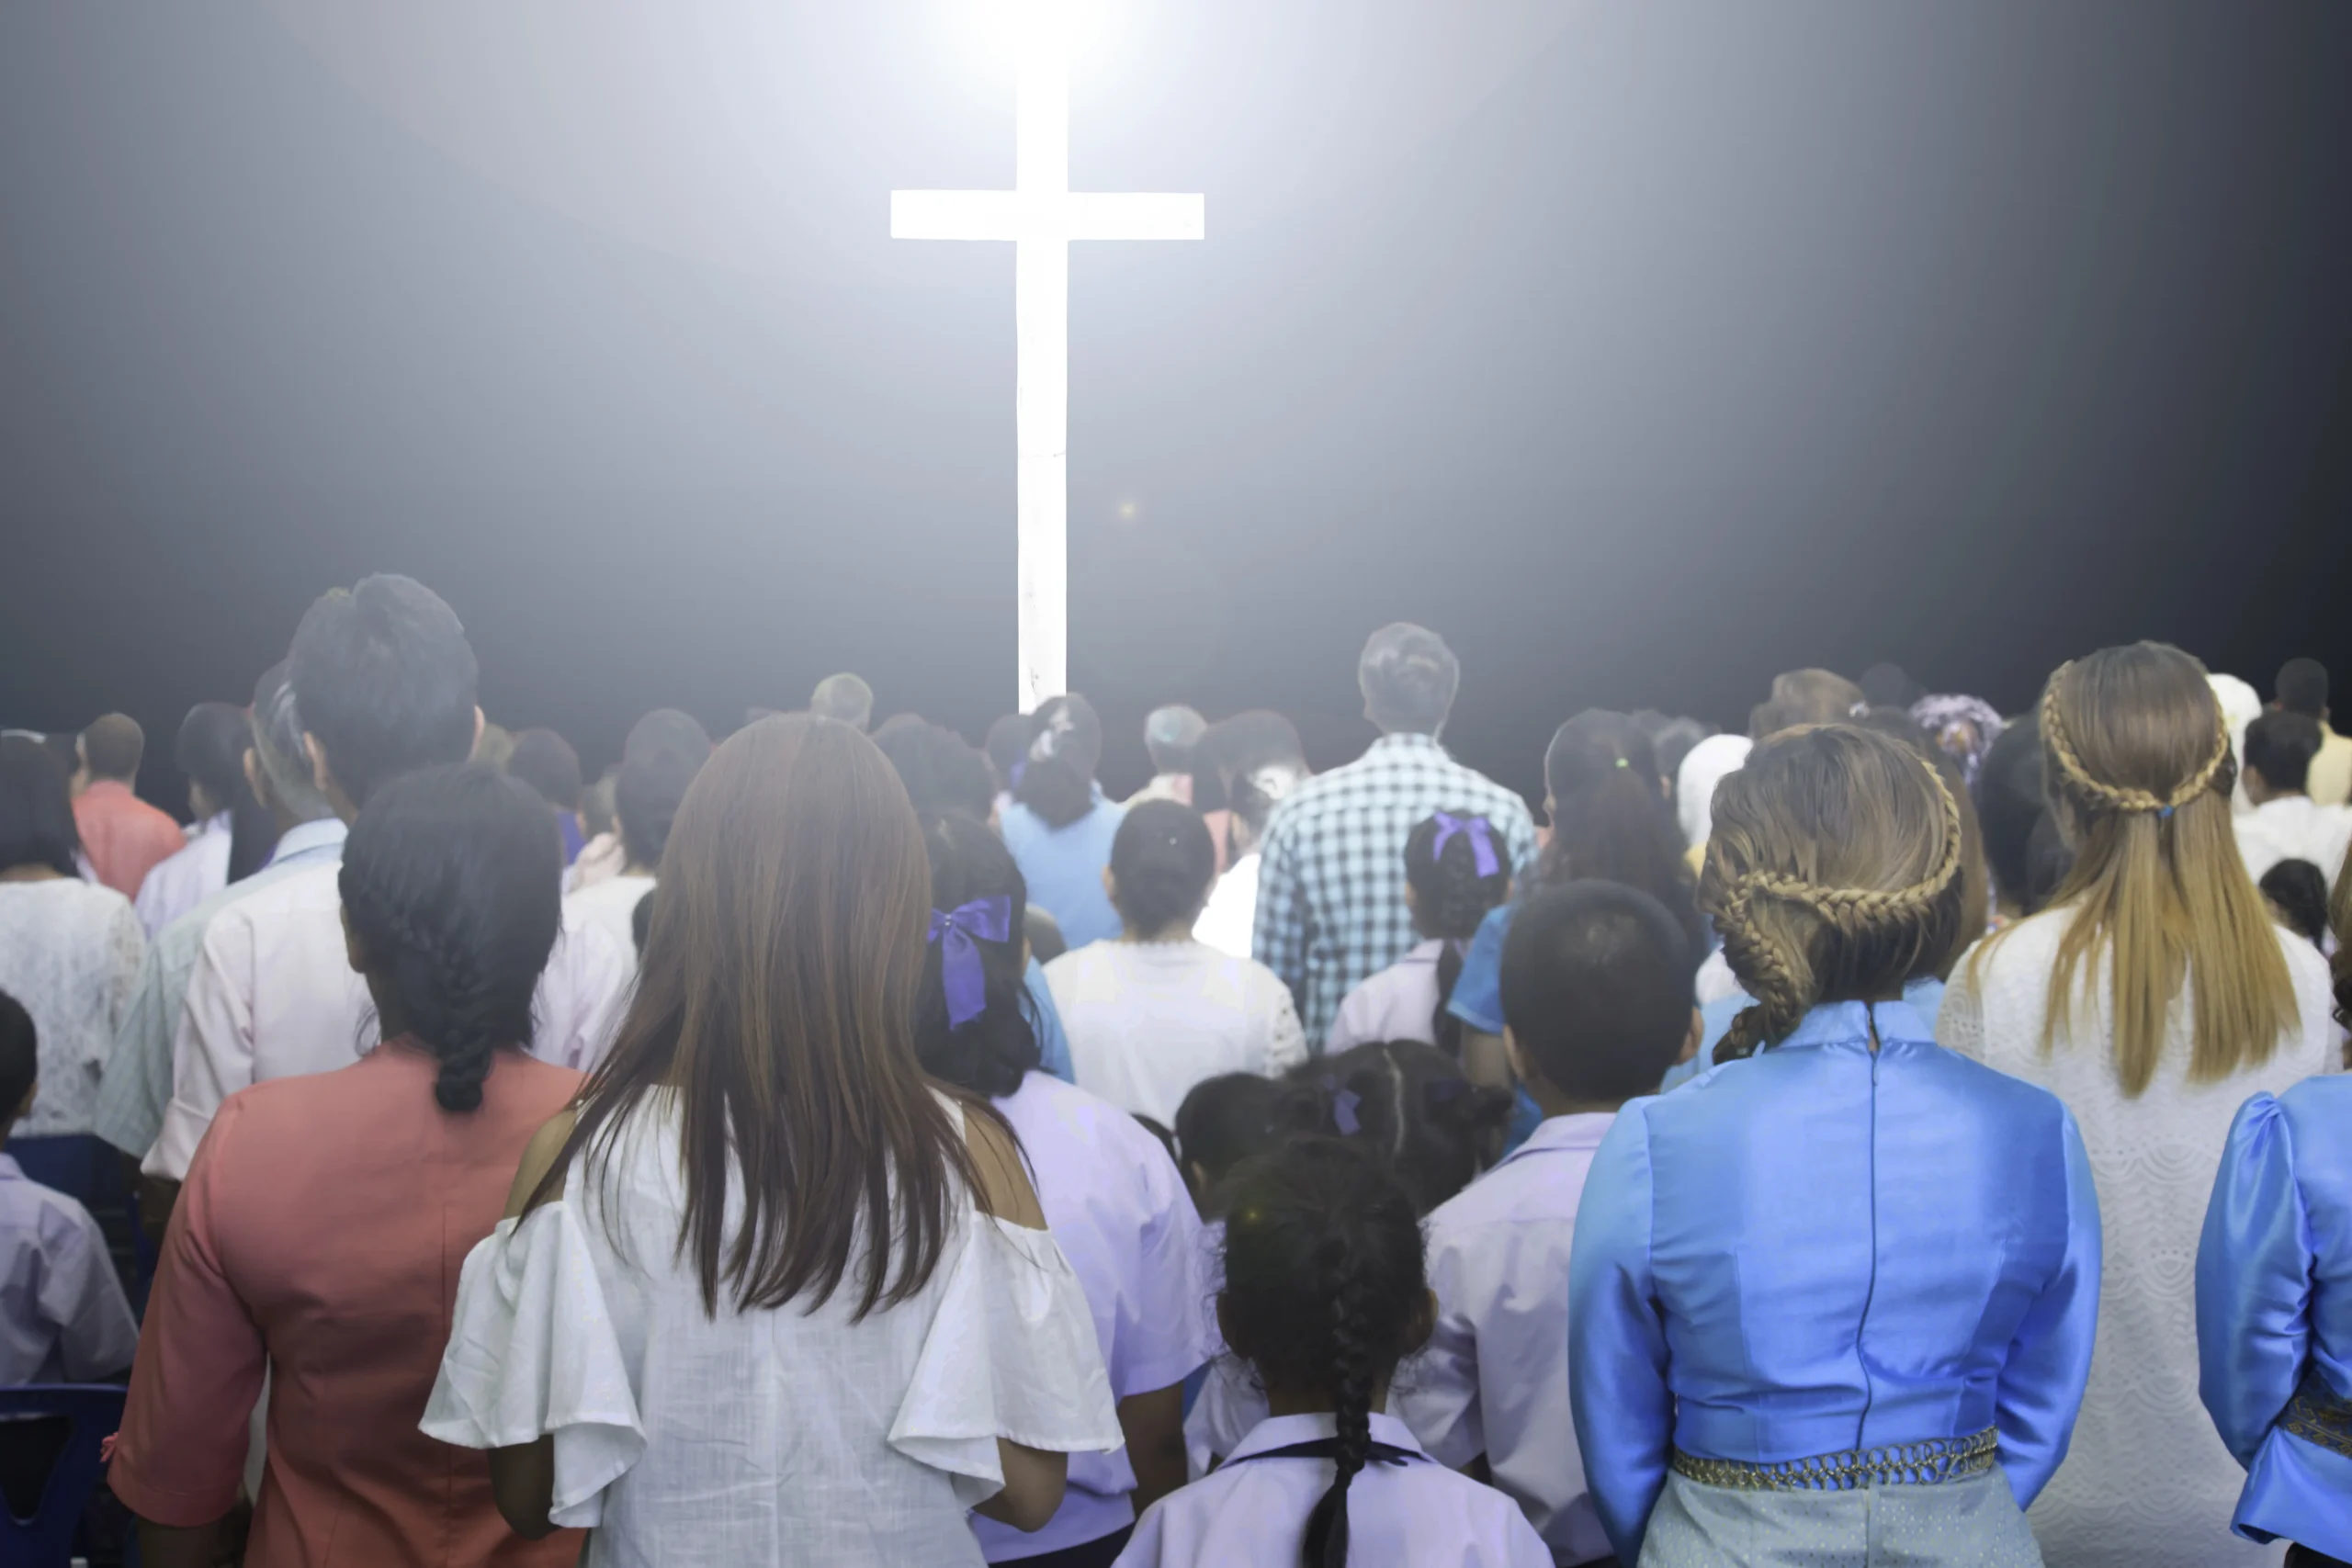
pixel 1012 1354
pixel 533 1352
pixel 2254 1274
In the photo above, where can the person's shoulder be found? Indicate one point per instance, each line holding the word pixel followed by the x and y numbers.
pixel 1081 965
pixel 2016 1103
pixel 2318 1111
pixel 1085 1117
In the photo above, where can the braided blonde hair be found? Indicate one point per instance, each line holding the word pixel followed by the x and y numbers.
pixel 2137 764
pixel 1833 874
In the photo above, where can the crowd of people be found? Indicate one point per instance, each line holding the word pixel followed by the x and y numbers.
pixel 1901 1133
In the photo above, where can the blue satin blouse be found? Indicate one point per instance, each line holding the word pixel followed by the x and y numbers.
pixel 2274 1305
pixel 1824 1248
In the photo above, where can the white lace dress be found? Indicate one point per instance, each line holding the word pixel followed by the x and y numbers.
pixel 69 952
pixel 2147 1482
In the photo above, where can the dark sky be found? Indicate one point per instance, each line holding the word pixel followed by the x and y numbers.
pixel 1642 350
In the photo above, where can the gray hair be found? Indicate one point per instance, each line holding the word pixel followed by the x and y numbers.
pixel 1409 677
pixel 278 750
pixel 1169 734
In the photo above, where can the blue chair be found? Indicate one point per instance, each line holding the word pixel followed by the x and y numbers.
pixel 94 1410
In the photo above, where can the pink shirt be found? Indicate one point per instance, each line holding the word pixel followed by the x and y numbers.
pixel 320 1233
pixel 124 836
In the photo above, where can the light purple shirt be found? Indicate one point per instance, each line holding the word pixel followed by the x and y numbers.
pixel 1495 1377
pixel 1398 1003
pixel 62 1315
pixel 1120 1214
pixel 1253 1512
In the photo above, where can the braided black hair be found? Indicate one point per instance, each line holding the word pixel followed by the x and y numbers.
pixel 450 882
pixel 1325 1292
pixel 1450 899
pixel 992 1052
pixel 1411 1107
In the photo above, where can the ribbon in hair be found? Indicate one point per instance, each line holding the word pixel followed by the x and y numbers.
pixel 959 932
pixel 1482 841
pixel 1345 1104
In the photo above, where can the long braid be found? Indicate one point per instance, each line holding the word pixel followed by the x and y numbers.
pixel 1355 1366
pixel 455 1011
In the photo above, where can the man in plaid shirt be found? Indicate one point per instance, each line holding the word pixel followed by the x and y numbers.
pixel 1331 887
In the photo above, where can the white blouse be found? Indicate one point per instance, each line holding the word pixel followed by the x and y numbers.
pixel 1148 1020
pixel 1398 1003
pixel 791 1435
pixel 179 884
pixel 69 952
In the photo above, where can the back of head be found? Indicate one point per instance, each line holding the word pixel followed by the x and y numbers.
pixel 1833 874
pixel 776 1000
pixel 941 769
pixel 1806 697
pixel 112 746
pixel 1964 728
pixel 2136 758
pixel 669 729
pixel 385 680
pixel 1411 1105
pixel 1408 678
pixel 647 791
pixel 1975 888
pixel 1673 739
pixel 1596 988
pixel 1325 1292
pixel 2297 892
pixel 545 761
pixel 1249 764
pixel 1007 748
pixel 450 886
pixel 1169 734
pixel 210 750
pixel 2279 745
pixel 845 698
pixel 20 1057
pixel 36 808
pixel 1227 1120
pixel 277 749
pixel 1161 866
pixel 1610 817
pixel 973 1018
pixel 1057 778
pixel 2302 687
pixel 1887 685
pixel 2009 800
pixel 1458 869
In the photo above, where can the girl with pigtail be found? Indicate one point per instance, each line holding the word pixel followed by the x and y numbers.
pixel 1324 1294
pixel 1456 870
pixel 1835 1301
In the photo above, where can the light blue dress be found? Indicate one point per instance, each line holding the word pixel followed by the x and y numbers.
pixel 1824 1248
pixel 1063 866
pixel 2274 1314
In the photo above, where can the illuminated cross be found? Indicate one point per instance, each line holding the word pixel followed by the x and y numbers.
pixel 1041 215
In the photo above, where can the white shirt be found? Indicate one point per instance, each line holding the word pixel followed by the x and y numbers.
pixel 1253 1512
pixel 68 952
pixel 182 881
pixel 1231 913
pixel 62 1315
pixel 600 859
pixel 2295 827
pixel 272 995
pixel 798 1436
pixel 1398 1003
pixel 1148 1020
pixel 1715 982
pixel 610 905
pixel 1495 1377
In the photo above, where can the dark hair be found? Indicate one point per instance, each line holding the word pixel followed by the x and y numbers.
pixel 2048 861
pixel 20 1057
pixel 640 920
pixel 2009 803
pixel 1450 898
pixel 451 884
pixel 1408 678
pixel 1596 988
pixel 1247 764
pixel 1889 685
pixel 1236 1116
pixel 647 792
pixel 1804 696
pixel 845 698
pixel 1057 773
pixel 210 750
pixel 385 680
pixel 36 808
pixel 112 746
pixel 1169 735
pixel 1413 1105
pixel 1325 1289
pixel 1045 933
pixel 1162 864
pixel 775 1004
pixel 995 1049
pixel 668 729
pixel 545 761
pixel 1671 739
pixel 2302 687
pixel 1006 746
pixel 2279 745
pixel 2298 891
pixel 940 768
pixel 1611 819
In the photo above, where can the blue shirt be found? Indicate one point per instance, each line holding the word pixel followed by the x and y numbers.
pixel 1825 1247
pixel 1063 867
pixel 2274 1307
pixel 1053 1041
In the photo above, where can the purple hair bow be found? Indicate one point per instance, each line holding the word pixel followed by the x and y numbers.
pixel 1482 841
pixel 960 973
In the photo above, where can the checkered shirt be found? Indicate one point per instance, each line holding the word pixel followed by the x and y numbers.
pixel 1332 889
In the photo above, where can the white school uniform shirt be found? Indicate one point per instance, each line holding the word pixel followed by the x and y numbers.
pixel 1398 1003
pixel 187 877
pixel 70 953
pixel 1253 1512
pixel 1495 1377
pixel 1147 1021
pixel 1119 1212
pixel 2294 827
pixel 1230 916
pixel 273 996
pixel 610 906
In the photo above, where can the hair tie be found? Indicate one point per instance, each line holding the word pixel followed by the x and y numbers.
pixel 1482 842
pixel 2164 813
pixel 961 975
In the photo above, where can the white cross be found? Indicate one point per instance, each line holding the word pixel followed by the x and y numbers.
pixel 1041 215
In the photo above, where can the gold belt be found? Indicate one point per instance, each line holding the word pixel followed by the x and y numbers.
pixel 2316 1416
pixel 1898 1464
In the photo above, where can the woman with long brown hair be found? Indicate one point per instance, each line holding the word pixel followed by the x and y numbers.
pixel 768 1294
pixel 2154 995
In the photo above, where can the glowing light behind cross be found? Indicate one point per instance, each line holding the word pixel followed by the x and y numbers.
pixel 1040 216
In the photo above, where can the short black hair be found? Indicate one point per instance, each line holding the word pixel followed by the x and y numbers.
pixel 2298 891
pixel 36 808
pixel 210 750
pixel 1169 734
pixel 1408 678
pixel 385 680
pixel 2009 803
pixel 19 1056
pixel 112 746
pixel 1162 864
pixel 545 761
pixel 2280 745
pixel 2302 687
pixel 942 772
pixel 1597 986
pixel 1236 1116
pixel 646 795
pixel 671 727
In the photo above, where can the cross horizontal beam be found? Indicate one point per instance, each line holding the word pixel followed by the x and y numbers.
pixel 1046 216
